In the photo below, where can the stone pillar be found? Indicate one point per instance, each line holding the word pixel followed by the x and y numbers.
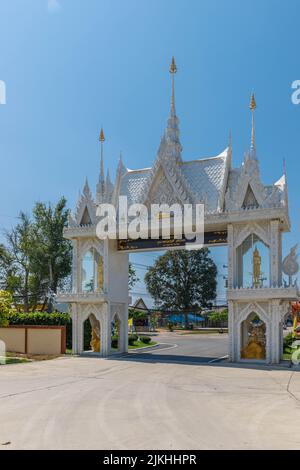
pixel 75 266
pixel 80 327
pixel 231 257
pixel 275 336
pixel 124 330
pixel 105 331
pixel 231 331
pixel 75 348
pixel 275 250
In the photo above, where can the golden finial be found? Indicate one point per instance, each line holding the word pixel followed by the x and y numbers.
pixel 252 102
pixel 173 68
pixel 101 136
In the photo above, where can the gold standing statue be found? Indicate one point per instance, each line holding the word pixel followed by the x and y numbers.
pixel 256 268
pixel 95 340
pixel 99 273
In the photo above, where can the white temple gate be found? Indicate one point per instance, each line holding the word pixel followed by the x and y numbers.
pixel 240 211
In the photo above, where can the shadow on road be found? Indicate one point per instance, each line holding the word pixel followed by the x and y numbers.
pixel 199 361
pixel 166 358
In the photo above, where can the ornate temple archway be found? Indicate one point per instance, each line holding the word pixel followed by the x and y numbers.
pixel 240 212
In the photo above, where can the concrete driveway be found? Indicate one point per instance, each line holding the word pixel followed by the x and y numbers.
pixel 186 348
pixel 136 403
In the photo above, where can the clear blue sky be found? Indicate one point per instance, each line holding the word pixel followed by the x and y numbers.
pixel 72 65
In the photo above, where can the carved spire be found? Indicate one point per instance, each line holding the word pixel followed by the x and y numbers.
pixel 108 176
pixel 109 187
pixel 86 189
pixel 170 145
pixel 101 140
pixel 173 70
pixel 252 145
pixel 121 168
pixel 101 183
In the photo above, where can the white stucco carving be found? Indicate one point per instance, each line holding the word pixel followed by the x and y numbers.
pixel 290 265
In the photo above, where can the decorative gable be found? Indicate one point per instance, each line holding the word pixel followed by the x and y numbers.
pixel 250 201
pixel 246 190
pixel 86 208
pixel 162 191
pixel 166 183
pixel 86 219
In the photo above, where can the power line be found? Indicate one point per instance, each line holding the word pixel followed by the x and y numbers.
pixel 140 265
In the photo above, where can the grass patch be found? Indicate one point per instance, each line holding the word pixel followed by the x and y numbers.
pixel 140 344
pixel 137 344
pixel 286 356
pixel 30 357
pixel 12 360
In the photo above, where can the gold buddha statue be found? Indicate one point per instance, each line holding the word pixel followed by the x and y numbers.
pixel 99 273
pixel 255 349
pixel 256 268
pixel 95 341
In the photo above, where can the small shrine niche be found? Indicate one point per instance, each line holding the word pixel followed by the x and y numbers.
pixel 253 263
pixel 92 271
pixel 253 338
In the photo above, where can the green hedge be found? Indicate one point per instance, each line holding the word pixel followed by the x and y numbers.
pixel 114 342
pixel 41 318
pixel 132 339
pixel 145 339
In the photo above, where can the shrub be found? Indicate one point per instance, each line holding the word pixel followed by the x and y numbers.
pixel 41 318
pixel 219 316
pixel 132 339
pixel 5 307
pixel 134 336
pixel 114 342
pixel 287 343
pixel 145 339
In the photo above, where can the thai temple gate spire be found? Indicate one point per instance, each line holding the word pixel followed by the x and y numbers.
pixel 101 139
pixel 173 70
pixel 252 145
pixel 101 183
pixel 170 145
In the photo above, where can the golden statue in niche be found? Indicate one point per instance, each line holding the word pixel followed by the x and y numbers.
pixel 95 340
pixel 256 268
pixel 256 345
pixel 99 273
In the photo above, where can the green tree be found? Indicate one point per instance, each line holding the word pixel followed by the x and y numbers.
pixel 219 316
pixel 183 280
pixel 17 256
pixel 5 307
pixel 5 266
pixel 52 258
pixel 132 277
pixel 37 258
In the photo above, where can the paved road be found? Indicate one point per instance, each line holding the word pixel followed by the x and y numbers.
pixel 189 348
pixel 126 403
